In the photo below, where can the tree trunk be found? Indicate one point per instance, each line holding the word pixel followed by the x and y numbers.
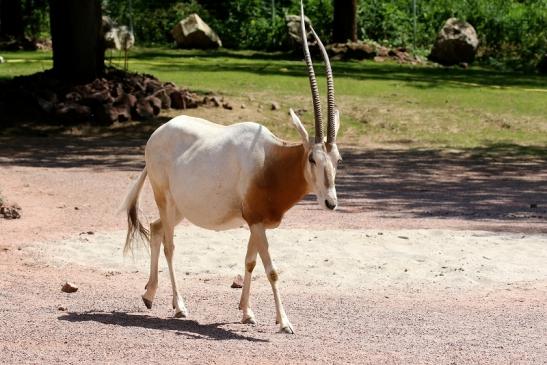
pixel 75 32
pixel 345 21
pixel 11 19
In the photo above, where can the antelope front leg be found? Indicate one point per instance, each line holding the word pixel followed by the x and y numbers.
pixel 250 262
pixel 169 249
pixel 258 236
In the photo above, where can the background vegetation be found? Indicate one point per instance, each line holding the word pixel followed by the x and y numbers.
pixel 382 104
pixel 513 33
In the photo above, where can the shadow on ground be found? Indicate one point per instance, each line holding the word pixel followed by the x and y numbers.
pixel 189 328
pixel 270 63
pixel 501 181
pixel 497 182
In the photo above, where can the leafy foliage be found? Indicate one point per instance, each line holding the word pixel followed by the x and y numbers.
pixel 509 30
pixel 241 24
pixel 512 32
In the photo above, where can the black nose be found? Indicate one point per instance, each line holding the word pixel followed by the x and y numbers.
pixel 329 205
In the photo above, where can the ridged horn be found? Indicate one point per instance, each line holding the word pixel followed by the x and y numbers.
pixel 331 111
pixel 313 80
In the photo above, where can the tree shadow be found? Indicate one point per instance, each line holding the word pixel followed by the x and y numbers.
pixel 419 76
pixel 503 182
pixel 500 181
pixel 101 148
pixel 73 152
pixel 146 54
pixel 192 329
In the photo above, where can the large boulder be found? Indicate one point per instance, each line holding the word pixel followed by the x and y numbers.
pixel 456 43
pixel 294 32
pixel 193 32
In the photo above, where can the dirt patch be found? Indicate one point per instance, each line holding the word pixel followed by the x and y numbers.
pixel 434 257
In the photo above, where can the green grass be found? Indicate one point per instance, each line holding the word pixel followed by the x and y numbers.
pixel 381 103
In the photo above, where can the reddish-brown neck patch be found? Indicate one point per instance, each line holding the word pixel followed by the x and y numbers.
pixel 277 187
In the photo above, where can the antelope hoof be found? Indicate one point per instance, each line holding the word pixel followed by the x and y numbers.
pixel 287 329
pixel 181 314
pixel 248 320
pixel 147 303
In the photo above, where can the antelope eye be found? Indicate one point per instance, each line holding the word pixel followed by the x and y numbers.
pixel 312 161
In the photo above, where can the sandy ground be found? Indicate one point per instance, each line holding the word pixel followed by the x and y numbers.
pixel 432 258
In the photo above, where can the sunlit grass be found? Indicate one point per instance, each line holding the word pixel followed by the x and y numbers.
pixel 381 103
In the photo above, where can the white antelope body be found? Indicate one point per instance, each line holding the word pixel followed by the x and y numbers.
pixel 221 177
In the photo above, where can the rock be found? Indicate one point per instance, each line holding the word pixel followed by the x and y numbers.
pixel 177 100
pixel 193 32
pixel 123 111
pixel 73 96
pixel 382 51
pixel 294 31
pixel 352 50
pixel 227 106
pixel 12 211
pixel 129 100
pixel 456 43
pixel 243 106
pixel 360 51
pixel 152 86
pixel 165 99
pixel 275 106
pixel 144 109
pixel 216 101
pixel 105 114
pixel 238 282
pixel 69 288
pixel 103 101
pixel 62 309
pixel 542 65
pixel 97 98
pixel 46 105
pixel 401 54
pixel 72 112
pixel 155 103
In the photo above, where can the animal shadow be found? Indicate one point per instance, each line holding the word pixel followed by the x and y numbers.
pixel 189 328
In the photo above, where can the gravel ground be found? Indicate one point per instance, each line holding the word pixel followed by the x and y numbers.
pixel 69 187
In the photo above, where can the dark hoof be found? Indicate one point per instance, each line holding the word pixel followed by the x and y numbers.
pixel 287 329
pixel 249 320
pixel 180 315
pixel 147 303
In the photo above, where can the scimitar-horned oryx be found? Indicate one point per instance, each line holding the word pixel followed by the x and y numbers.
pixel 220 177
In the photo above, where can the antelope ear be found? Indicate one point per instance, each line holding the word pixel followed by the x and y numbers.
pixel 299 126
pixel 336 123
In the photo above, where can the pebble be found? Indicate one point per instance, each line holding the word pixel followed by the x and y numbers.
pixel 69 288
pixel 238 282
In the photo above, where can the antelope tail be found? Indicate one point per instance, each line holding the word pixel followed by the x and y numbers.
pixel 135 229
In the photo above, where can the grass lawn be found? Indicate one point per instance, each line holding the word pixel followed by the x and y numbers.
pixel 381 104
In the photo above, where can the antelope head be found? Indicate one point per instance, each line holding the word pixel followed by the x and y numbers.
pixel 322 154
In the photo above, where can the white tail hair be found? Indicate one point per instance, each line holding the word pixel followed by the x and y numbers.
pixel 131 207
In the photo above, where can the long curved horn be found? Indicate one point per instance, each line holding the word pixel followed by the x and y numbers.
pixel 331 112
pixel 313 81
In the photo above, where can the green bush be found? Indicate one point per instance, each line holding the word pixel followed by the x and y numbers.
pixel 511 32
